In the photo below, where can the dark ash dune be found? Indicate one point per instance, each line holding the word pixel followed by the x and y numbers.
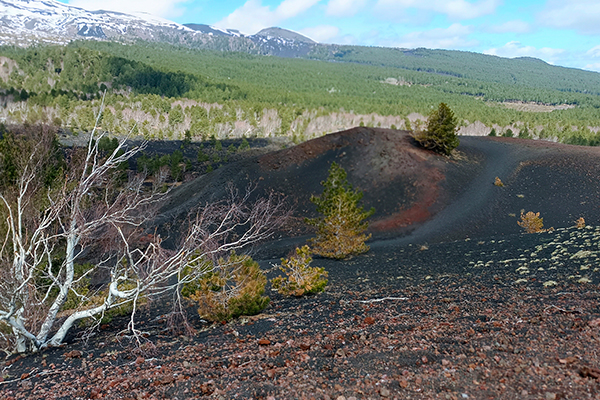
pixel 419 196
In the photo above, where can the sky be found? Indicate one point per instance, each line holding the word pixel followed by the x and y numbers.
pixel 560 32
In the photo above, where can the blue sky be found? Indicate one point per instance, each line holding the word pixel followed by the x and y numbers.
pixel 561 32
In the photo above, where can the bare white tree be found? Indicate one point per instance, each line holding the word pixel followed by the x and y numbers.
pixel 44 290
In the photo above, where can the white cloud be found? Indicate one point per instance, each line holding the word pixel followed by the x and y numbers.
pixel 160 8
pixel 253 16
pixel 291 8
pixel 515 26
pixel 250 18
pixel 453 37
pixel 454 9
pixel 594 51
pixel 344 8
pixel 593 67
pixel 579 15
pixel 321 33
pixel 516 49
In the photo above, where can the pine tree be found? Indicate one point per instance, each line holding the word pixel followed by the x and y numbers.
pixel 340 231
pixel 440 134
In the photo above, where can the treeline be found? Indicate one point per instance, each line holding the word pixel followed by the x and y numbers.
pixel 524 71
pixel 51 71
pixel 166 92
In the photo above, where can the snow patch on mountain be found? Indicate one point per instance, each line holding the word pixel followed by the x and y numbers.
pixel 28 22
pixel 25 21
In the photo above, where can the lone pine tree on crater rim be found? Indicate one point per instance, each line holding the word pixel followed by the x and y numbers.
pixel 440 134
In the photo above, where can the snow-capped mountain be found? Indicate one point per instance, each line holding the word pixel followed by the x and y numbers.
pixel 269 41
pixel 212 30
pixel 27 22
pixel 23 22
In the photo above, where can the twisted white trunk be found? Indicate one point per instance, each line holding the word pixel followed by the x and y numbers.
pixel 113 294
pixel 64 287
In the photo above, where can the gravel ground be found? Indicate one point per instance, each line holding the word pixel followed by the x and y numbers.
pixel 516 318
pixel 453 304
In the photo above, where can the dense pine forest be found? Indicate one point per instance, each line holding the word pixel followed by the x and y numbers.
pixel 162 91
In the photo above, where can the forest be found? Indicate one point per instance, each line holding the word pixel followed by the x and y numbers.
pixel 162 91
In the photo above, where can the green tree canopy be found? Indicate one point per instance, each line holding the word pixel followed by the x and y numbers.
pixel 440 134
pixel 340 231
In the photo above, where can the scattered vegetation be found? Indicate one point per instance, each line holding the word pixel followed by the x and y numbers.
pixel 244 145
pixel 231 287
pixel 440 133
pixel 580 223
pixel 59 205
pixel 206 95
pixel 301 279
pixel 340 231
pixel 531 222
pixel 170 92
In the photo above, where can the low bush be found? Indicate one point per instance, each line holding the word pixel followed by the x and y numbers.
pixel 498 182
pixel 531 222
pixel 301 279
pixel 580 223
pixel 244 145
pixel 232 287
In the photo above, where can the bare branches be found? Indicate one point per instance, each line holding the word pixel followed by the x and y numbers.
pixel 86 210
pixel 381 299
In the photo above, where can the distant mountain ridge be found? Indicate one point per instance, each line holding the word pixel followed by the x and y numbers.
pixel 28 22
pixel 211 30
pixel 280 33
pixel 269 41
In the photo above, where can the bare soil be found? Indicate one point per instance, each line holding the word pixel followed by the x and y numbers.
pixel 455 305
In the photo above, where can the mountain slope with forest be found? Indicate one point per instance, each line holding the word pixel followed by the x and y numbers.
pixel 166 91
pixel 26 22
pixel 165 80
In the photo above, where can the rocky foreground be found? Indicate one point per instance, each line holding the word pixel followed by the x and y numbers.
pixel 516 317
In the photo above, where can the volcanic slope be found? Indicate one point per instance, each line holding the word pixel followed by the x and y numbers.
pixel 419 196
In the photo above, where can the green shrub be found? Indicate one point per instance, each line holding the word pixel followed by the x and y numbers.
pixel 228 289
pixel 531 222
pixel 244 145
pixel 524 133
pixel 5 328
pixel 202 157
pixel 508 133
pixel 301 278
pixel 217 145
pixel 107 145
